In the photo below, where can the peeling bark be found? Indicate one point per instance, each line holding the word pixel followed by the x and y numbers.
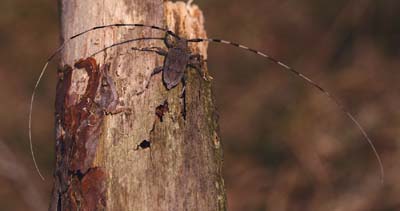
pixel 163 153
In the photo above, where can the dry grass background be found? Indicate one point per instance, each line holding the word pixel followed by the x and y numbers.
pixel 286 146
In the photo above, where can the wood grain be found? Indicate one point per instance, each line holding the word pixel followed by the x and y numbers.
pixel 97 164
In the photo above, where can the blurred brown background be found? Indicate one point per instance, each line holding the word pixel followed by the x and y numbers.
pixel 287 147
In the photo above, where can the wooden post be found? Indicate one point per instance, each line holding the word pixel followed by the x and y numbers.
pixel 97 164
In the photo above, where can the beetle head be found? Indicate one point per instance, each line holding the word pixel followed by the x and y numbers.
pixel 174 41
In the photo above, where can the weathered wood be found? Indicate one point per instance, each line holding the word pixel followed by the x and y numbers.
pixel 97 164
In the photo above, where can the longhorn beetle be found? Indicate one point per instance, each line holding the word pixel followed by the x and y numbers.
pixel 177 58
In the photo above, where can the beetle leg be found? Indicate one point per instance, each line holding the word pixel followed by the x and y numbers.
pixel 156 50
pixel 196 61
pixel 154 72
pixel 157 70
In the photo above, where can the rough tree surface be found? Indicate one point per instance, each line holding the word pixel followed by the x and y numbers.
pixel 97 164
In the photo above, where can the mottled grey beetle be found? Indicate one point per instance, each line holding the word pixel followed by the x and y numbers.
pixel 178 57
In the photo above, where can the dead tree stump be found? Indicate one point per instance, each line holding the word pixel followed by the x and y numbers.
pixel 97 164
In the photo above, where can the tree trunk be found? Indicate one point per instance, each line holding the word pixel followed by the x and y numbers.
pixel 99 165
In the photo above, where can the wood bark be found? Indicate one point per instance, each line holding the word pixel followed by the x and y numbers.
pixel 98 166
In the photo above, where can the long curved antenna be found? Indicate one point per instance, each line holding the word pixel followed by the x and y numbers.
pixel 315 85
pixel 30 119
pixel 58 50
pixel 126 41
pixel 123 25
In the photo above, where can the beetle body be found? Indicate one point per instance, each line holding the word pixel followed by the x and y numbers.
pixel 175 63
